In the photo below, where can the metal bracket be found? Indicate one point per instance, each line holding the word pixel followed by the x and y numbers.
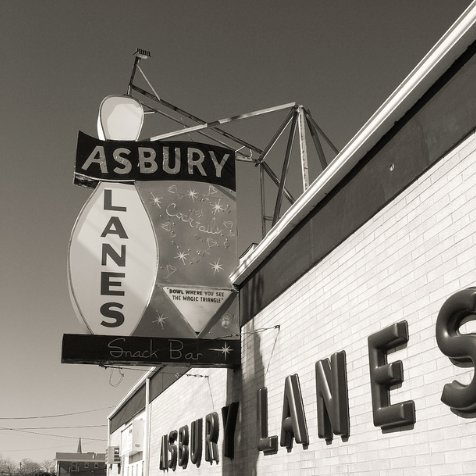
pixel 298 117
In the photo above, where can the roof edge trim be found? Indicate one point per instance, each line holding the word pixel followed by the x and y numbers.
pixel 441 56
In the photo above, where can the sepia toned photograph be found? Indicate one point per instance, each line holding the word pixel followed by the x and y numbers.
pixel 238 238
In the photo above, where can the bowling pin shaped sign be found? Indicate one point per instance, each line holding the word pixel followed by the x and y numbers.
pixel 178 196
pixel 113 253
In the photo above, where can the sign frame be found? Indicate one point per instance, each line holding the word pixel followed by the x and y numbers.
pixel 150 351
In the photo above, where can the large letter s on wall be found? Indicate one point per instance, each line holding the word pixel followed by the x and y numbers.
pixel 460 348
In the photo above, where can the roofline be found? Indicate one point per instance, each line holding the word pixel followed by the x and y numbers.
pixel 443 54
pixel 100 459
pixel 89 457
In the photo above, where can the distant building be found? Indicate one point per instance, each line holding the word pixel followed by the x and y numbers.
pixel 80 464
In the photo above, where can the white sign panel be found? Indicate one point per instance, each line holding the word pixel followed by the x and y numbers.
pixel 197 304
pixel 113 260
pixel 179 196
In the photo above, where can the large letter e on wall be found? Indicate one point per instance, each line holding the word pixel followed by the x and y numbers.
pixel 383 376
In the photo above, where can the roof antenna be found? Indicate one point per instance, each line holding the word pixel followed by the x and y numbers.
pixel 139 54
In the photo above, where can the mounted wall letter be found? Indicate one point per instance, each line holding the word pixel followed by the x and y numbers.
pixel 164 453
pixel 460 348
pixel 173 450
pixel 183 446
pixel 229 415
pixel 293 423
pixel 332 397
pixel 211 437
pixel 267 444
pixel 383 376
pixel 196 442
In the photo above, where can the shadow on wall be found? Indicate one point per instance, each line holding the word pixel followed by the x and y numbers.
pixel 239 386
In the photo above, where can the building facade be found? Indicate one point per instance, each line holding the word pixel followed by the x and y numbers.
pixel 353 312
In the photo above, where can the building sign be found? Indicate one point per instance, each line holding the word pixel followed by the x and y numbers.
pixel 130 161
pixel 153 248
pixel 150 351
pixel 188 444
pixel 195 225
pixel 113 260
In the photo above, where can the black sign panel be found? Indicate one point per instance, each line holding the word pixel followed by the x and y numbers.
pixel 150 351
pixel 128 161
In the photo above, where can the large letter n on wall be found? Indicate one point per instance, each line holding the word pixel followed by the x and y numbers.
pixel 332 397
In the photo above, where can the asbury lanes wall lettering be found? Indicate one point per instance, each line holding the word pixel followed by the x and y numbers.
pixel 460 348
pixel 383 376
pixel 184 447
pixel 293 422
pixel 332 397
pixel 229 415
pixel 332 389
pixel 180 448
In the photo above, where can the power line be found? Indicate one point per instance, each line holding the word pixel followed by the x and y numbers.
pixel 51 435
pixel 56 415
pixel 51 427
pixel 39 449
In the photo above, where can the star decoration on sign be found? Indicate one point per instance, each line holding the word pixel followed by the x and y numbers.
pixel 182 256
pixel 225 350
pixel 157 201
pixel 192 194
pixel 216 207
pixel 160 320
pixel 217 267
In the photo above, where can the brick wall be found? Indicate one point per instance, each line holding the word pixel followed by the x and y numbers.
pixel 401 265
pixel 192 397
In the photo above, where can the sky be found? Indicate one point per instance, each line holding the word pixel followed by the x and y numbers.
pixel 339 58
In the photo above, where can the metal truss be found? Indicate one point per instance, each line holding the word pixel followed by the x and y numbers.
pixel 296 120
